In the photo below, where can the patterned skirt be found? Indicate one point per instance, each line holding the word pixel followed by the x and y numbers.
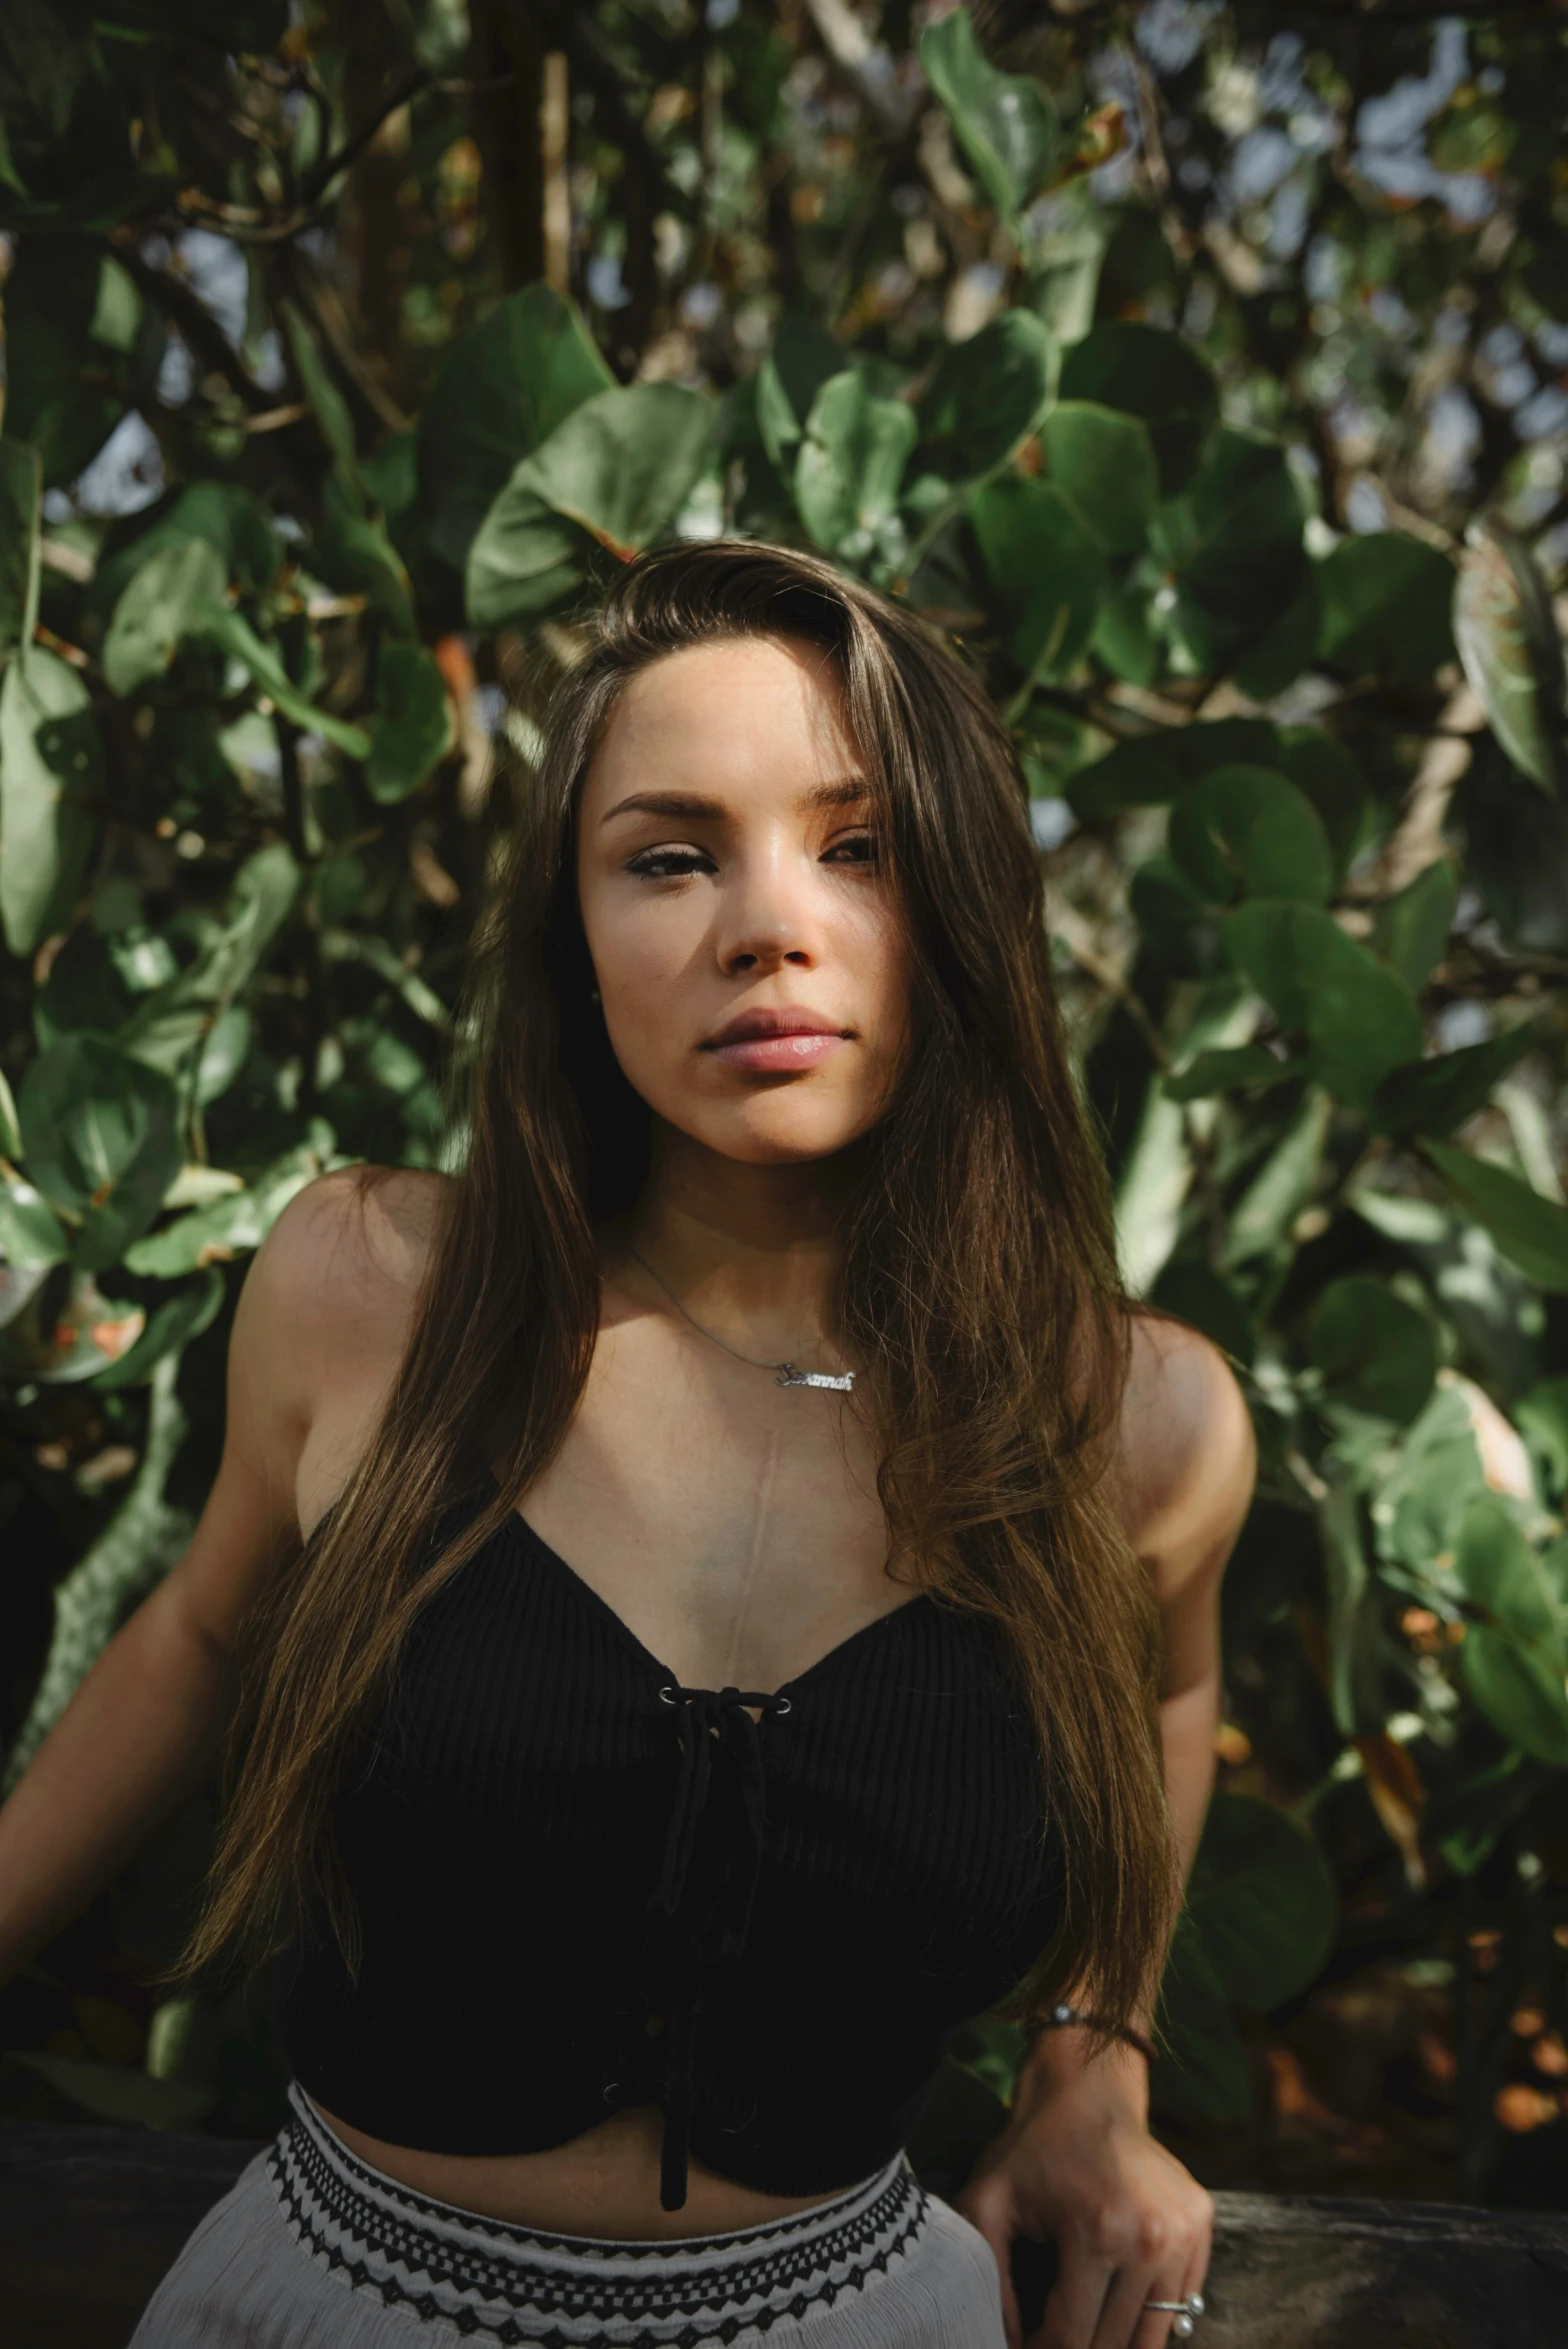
pixel 313 2249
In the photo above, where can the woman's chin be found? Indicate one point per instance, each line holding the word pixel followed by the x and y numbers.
pixel 774 1136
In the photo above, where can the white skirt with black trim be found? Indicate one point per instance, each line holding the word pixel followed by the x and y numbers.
pixel 313 2249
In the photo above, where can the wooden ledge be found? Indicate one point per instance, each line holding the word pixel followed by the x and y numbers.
pixel 90 2218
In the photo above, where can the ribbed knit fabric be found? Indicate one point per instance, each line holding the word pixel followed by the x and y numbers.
pixel 582 1887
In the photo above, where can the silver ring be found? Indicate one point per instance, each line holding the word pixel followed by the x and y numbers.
pixel 1185 2312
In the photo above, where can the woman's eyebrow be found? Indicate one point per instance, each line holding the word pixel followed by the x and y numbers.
pixel 676 804
pixel 848 793
pixel 692 806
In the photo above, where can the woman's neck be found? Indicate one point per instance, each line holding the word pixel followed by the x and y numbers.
pixel 752 1251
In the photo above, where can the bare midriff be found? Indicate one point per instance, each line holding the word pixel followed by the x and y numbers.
pixel 604 2184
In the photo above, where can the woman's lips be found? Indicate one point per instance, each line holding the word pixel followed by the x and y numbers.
pixel 772 1056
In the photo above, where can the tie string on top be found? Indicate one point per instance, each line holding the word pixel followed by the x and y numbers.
pixel 719 1735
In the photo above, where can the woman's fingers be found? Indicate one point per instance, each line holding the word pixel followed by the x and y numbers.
pixel 1106 2277
pixel 1194 2277
pixel 1189 2263
pixel 1167 2260
pixel 1077 2299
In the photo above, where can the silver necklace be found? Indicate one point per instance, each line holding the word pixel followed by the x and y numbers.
pixel 788 1375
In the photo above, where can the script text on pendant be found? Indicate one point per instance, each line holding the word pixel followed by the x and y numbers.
pixel 789 1376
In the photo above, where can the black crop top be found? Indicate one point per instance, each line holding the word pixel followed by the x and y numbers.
pixel 574 1898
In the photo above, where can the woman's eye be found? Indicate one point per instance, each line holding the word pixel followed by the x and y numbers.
pixel 666 864
pixel 858 848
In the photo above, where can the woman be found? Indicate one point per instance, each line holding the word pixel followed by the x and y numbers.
pixel 721 1579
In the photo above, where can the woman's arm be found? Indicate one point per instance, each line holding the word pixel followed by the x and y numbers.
pixel 144 1727
pixel 1076 2161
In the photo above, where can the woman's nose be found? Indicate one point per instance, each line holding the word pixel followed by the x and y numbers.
pixel 766 918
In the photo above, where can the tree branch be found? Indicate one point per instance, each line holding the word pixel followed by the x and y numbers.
pixel 182 306
pixel 331 167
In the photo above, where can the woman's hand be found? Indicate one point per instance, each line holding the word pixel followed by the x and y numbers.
pixel 1076 2162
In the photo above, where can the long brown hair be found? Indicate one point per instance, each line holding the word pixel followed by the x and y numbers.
pixel 978 1275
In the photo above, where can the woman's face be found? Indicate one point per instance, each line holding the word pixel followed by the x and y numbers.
pixel 750 960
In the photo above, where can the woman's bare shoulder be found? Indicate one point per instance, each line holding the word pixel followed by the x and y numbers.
pixel 341 1270
pixel 1186 1455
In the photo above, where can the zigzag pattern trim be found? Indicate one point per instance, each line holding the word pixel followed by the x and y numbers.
pixel 529 2290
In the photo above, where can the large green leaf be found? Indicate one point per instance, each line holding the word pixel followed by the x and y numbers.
pixel 412 729
pixel 624 463
pixel 524 557
pixel 1530 1231
pixel 1260 1221
pixel 221 514
pixel 1150 372
pixel 1277 656
pixel 502 389
pixel 100 1134
pixel 1512 654
pixel 1047 571
pixel 51 765
pixel 618 469
pixel 1412 926
pixel 1418 1507
pixel 1522 1696
pixel 850 463
pixel 60 1340
pixel 1385 601
pixel 1502 1573
pixel 352 553
pixel 1197 750
pixel 1175 923
pixel 171 1326
pixel 231 1226
pixel 1433 1096
pixel 803 357
pixel 30 1231
pixel 327 402
pixel 1104 463
pixel 1125 638
pixel 168 599
pixel 1238 1066
pixel 21 488
pixel 1376 1352
pixel 1263 1899
pixel 1004 122
pixel 1232 545
pixel 985 396
pixel 1360 1019
pixel 73 318
pixel 1331 779
pixel 1245 832
pixel 1542 1417
pixel 1134 774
